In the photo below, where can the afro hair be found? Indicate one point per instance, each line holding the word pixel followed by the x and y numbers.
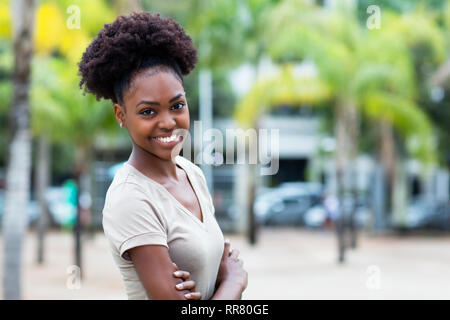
pixel 130 44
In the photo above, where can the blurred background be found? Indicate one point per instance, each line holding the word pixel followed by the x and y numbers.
pixel 359 92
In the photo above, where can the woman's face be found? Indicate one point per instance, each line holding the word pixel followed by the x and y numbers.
pixel 156 113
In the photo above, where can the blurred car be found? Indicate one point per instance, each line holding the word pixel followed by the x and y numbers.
pixel 440 217
pixel 425 213
pixel 316 216
pixel 287 203
pixel 62 212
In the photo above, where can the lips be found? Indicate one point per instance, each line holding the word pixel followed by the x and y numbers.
pixel 166 139
pixel 170 139
pixel 164 136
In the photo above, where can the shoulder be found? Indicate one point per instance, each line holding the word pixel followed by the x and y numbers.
pixel 128 196
pixel 131 211
pixel 122 200
pixel 125 185
pixel 129 184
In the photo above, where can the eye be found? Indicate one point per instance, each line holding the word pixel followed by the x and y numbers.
pixel 147 112
pixel 178 106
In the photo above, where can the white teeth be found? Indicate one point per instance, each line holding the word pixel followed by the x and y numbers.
pixel 167 139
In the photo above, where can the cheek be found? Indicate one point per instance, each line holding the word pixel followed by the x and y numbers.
pixel 141 127
pixel 186 118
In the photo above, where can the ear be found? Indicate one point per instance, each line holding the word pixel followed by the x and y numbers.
pixel 119 112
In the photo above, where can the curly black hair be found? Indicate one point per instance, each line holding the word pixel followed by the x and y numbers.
pixel 131 44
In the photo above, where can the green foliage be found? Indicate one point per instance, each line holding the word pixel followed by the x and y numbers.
pixel 217 33
pixel 59 107
pixel 225 32
pixel 407 118
pixel 285 88
pixel 397 6
pixel 6 62
pixel 380 70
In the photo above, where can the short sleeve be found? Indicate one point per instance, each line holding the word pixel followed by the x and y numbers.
pixel 130 219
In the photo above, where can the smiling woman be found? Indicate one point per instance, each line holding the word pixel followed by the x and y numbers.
pixel 158 210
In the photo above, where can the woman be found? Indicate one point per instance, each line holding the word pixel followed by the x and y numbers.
pixel 158 210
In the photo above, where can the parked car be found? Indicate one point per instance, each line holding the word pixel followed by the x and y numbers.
pixel 440 217
pixel 62 211
pixel 424 213
pixel 287 203
pixel 316 216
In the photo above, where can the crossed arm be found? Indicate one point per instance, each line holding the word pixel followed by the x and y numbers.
pixel 155 270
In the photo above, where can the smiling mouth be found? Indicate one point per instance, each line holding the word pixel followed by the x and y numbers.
pixel 168 140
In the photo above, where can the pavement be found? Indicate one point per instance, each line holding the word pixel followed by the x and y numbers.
pixel 286 263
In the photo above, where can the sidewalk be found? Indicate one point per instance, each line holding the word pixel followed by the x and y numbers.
pixel 285 264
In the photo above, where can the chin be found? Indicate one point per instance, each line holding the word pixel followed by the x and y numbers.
pixel 161 153
pixel 167 154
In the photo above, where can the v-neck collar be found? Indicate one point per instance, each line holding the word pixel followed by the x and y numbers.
pixel 179 204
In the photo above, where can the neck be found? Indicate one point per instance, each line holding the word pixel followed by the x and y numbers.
pixel 161 170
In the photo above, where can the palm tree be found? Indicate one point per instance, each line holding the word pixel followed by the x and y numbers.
pixel 380 84
pixel 42 181
pixel 267 93
pixel 18 171
pixel 59 110
pixel 390 89
pixel 66 115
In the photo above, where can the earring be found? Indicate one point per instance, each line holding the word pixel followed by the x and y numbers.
pixel 121 125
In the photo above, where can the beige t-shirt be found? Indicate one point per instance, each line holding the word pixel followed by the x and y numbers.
pixel 140 211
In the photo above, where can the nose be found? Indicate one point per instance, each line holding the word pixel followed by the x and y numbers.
pixel 166 121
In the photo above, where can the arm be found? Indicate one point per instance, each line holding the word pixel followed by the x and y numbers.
pixel 155 270
pixel 232 278
pixel 228 291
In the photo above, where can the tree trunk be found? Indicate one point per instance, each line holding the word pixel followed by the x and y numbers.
pixel 346 130
pixel 252 223
pixel 353 126
pixel 77 229
pixel 42 183
pixel 388 158
pixel 206 117
pixel 341 156
pixel 19 161
pixel 82 164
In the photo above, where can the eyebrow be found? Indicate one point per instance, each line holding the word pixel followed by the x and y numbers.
pixel 157 103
